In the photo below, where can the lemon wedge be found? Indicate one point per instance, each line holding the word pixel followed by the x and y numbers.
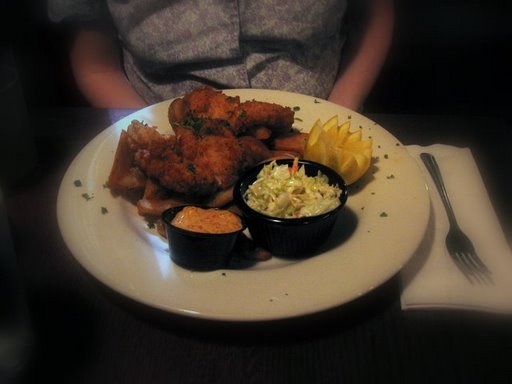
pixel 337 147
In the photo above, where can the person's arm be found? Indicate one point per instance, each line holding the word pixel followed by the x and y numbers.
pixel 358 77
pixel 97 70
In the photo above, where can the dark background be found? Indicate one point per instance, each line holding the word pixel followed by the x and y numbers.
pixel 448 57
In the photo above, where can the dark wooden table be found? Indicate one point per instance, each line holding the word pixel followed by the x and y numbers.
pixel 85 333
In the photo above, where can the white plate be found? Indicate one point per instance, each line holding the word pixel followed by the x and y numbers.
pixel 384 221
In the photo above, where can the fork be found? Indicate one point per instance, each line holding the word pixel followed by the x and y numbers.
pixel 459 246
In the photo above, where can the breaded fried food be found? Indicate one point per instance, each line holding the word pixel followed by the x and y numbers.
pixel 294 141
pixel 124 176
pixel 207 110
pixel 274 116
pixel 190 163
pixel 216 138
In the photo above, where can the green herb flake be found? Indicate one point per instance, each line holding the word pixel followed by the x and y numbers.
pixel 77 183
pixel 151 225
pixel 386 156
pixel 86 196
pixel 243 114
pixel 316 101
pixel 383 214
pixel 298 119
pixel 390 177
pixel 104 210
pixel 194 123
pixel 296 108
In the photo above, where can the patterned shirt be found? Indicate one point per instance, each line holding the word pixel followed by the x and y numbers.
pixel 171 47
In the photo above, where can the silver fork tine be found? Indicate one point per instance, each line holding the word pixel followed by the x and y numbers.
pixel 481 266
pixel 473 269
pixel 463 267
pixel 483 271
pixel 473 261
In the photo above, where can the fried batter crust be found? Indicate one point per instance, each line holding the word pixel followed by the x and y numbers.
pixel 208 110
pixel 190 163
pixel 216 137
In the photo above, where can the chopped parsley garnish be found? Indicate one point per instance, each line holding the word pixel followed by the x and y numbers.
pixel 386 156
pixel 191 167
pixel 243 114
pixel 316 101
pixel 383 214
pixel 151 225
pixel 86 196
pixel 390 177
pixel 77 183
pixel 296 108
pixel 104 210
pixel 194 123
pixel 298 119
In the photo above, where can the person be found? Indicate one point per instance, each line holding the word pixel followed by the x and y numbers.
pixel 133 53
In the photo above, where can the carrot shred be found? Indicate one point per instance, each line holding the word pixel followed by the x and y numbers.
pixel 295 166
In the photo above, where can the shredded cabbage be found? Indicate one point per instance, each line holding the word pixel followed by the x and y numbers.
pixel 278 193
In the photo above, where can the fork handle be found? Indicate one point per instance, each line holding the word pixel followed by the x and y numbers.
pixel 433 168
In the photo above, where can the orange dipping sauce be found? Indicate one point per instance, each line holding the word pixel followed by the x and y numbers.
pixel 201 220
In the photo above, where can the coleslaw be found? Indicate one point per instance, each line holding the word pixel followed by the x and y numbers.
pixel 284 192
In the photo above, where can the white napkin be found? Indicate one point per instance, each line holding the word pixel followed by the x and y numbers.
pixel 431 279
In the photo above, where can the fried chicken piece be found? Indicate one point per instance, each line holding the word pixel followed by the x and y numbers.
pixel 211 104
pixel 207 110
pixel 216 138
pixel 194 165
pixel 190 163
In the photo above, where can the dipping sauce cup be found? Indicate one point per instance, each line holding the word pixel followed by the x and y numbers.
pixel 197 250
